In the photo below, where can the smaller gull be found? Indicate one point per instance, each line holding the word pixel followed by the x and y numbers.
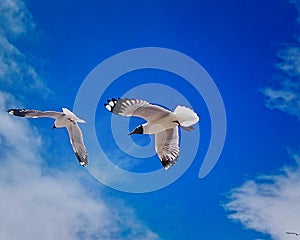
pixel 160 121
pixel 294 233
pixel 65 119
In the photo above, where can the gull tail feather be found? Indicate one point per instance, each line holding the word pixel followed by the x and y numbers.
pixel 186 116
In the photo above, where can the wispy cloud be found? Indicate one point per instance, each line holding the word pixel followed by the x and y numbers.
pixel 286 96
pixel 15 18
pixel 296 3
pixel 16 70
pixel 39 205
pixel 269 204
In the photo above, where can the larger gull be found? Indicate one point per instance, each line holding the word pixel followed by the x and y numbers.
pixel 65 119
pixel 160 121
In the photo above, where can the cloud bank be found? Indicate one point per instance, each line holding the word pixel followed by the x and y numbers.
pixel 38 202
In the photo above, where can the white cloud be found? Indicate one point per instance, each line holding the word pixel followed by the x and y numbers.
pixel 16 22
pixel 269 204
pixel 39 205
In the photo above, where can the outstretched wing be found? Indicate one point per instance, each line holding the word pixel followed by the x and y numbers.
pixel 35 113
pixel 166 146
pixel 136 107
pixel 76 140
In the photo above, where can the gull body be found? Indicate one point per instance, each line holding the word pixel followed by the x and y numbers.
pixel 160 125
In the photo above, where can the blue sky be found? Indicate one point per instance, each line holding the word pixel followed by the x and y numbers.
pixel 251 50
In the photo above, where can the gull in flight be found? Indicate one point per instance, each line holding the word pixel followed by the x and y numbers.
pixel 160 121
pixel 294 233
pixel 65 119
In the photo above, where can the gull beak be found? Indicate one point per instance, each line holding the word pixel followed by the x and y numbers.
pixel 137 130
pixel 132 132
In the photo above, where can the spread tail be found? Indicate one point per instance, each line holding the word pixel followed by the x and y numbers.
pixel 186 116
pixel 74 117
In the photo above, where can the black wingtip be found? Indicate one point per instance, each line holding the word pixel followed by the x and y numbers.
pixel 111 103
pixel 17 112
pixel 83 162
pixel 167 163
